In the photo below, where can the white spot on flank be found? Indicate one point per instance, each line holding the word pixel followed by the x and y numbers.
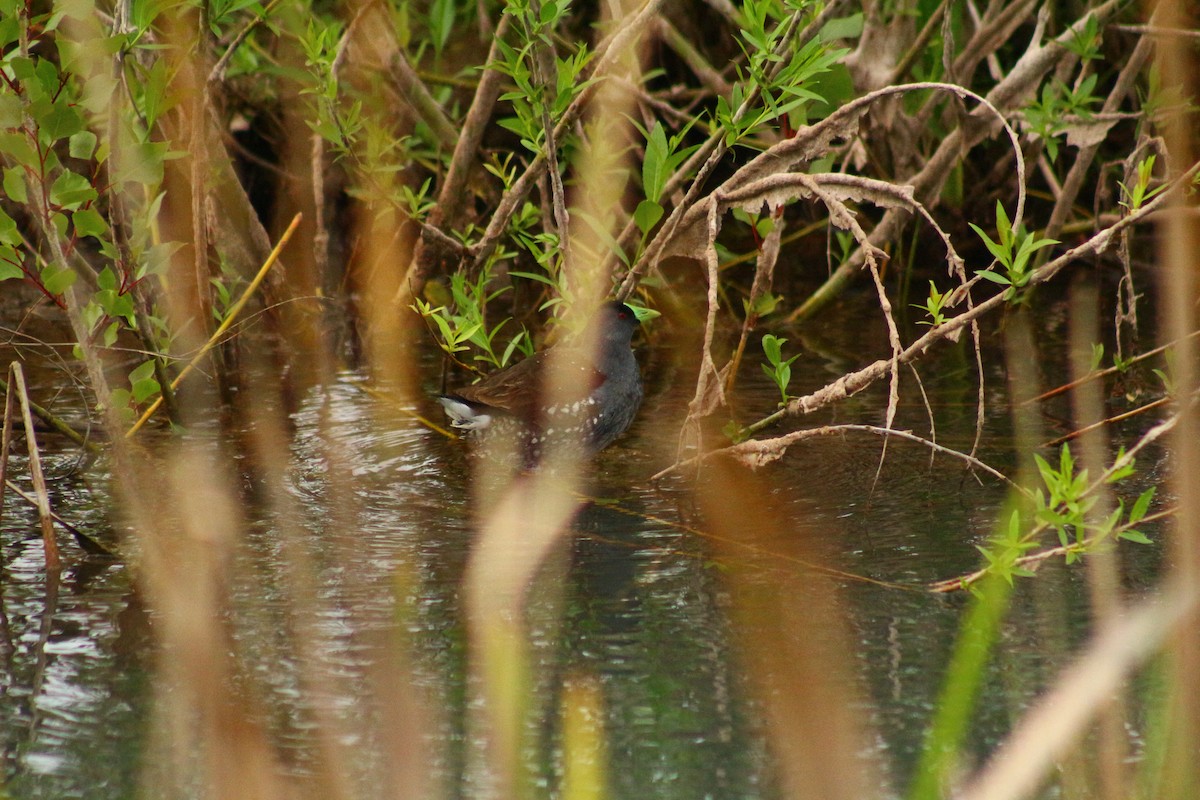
pixel 463 417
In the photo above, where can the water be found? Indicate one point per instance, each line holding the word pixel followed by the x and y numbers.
pixel 344 612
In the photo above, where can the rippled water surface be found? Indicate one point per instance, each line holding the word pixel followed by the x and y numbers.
pixel 345 592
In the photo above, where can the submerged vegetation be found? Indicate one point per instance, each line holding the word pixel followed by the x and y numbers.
pixel 212 208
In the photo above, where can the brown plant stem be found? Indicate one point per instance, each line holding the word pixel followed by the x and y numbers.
pixel 16 381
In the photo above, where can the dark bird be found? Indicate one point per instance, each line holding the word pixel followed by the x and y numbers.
pixel 604 403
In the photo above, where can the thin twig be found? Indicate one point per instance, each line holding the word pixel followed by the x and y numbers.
pixel 1104 373
pixel 217 74
pixel 1142 409
pixel 16 381
pixel 230 317
pixel 1156 30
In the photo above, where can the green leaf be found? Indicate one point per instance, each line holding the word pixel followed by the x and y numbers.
pixel 533 276
pixel 143 163
pixel 107 279
pixel 23 68
pixel 773 347
pixel 994 277
pixel 654 167
pixel 850 27
pixel 1003 226
pixel 142 381
pixel 441 22
pixel 14 185
pixel 19 147
pixel 998 251
pixel 9 264
pixel 57 280
pixel 119 399
pixel 1134 536
pixel 8 229
pixel 116 305
pixel 71 190
pixel 647 214
pixel 82 145
pixel 155 260
pixel 88 222
pixel 764 304
pixel 1141 505
pixel 57 120
pixel 1048 475
pixel 155 98
pixel 79 9
pixel 11 110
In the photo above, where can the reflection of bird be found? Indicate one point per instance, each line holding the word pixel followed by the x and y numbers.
pixel 514 399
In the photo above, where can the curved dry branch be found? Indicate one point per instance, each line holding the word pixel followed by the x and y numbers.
pixel 756 453
pixel 854 382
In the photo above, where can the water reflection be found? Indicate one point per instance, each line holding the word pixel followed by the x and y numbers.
pixel 346 617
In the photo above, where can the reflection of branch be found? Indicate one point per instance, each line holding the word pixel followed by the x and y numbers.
pixel 88 543
pixel 1142 409
pixel 756 453
pixel 49 613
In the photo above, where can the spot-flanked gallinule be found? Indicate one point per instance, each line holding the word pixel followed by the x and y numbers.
pixel 514 400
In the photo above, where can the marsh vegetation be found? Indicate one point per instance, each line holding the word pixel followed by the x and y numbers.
pixel 912 505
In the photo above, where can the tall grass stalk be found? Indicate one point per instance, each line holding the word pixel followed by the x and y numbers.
pixel 1180 243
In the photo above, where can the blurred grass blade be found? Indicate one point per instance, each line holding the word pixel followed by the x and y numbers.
pixel 976 637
